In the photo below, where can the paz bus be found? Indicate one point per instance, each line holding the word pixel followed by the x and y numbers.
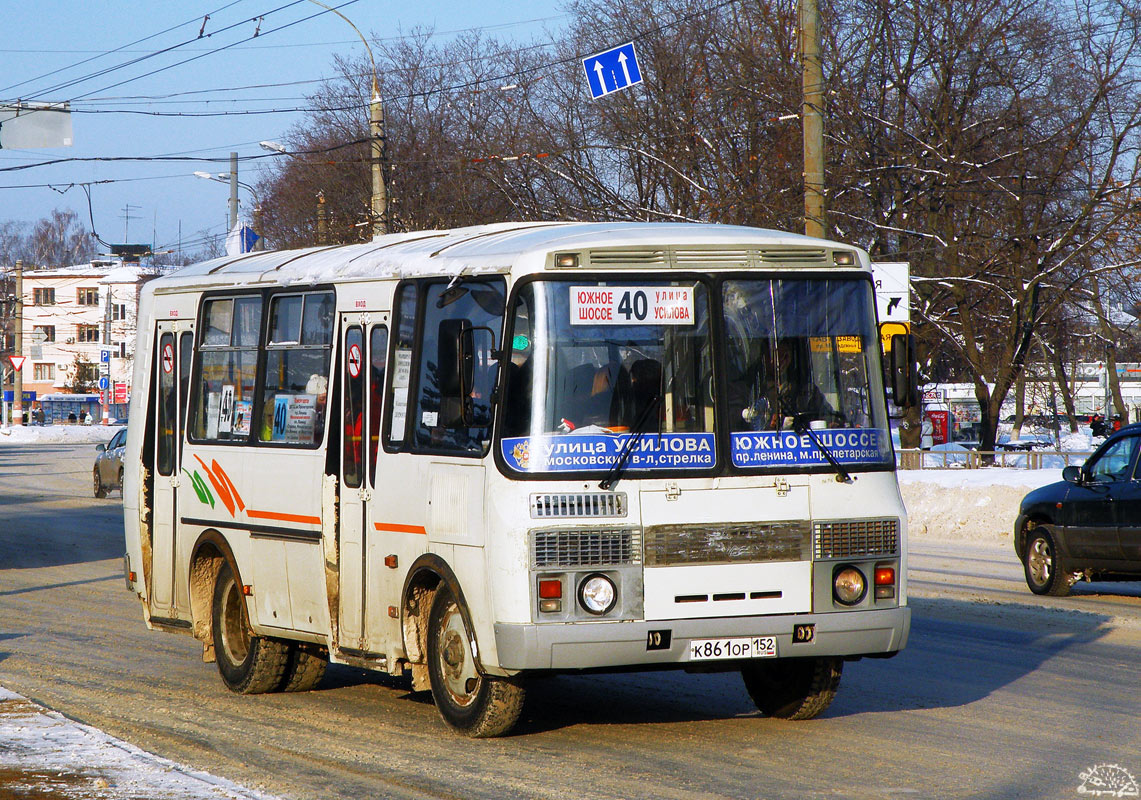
pixel 476 456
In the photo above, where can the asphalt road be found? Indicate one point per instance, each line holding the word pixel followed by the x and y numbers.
pixel 999 695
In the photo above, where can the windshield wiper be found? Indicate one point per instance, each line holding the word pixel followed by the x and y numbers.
pixel 801 426
pixel 614 474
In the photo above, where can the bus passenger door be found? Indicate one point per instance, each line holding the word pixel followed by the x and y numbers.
pixel 353 490
pixel 167 420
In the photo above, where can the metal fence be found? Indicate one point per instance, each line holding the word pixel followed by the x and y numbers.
pixel 975 459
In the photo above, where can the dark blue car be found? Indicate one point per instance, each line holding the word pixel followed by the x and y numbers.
pixel 1088 525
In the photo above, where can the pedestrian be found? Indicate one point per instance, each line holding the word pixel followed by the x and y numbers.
pixel 926 434
pixel 71 418
pixel 87 418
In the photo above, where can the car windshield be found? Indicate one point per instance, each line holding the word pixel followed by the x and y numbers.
pixel 592 360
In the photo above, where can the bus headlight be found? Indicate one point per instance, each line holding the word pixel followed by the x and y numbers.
pixel 597 594
pixel 848 586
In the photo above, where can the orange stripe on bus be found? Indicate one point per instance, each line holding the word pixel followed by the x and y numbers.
pixel 219 486
pixel 277 515
pixel 229 483
pixel 394 528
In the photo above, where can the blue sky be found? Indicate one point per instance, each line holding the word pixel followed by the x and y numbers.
pixel 41 43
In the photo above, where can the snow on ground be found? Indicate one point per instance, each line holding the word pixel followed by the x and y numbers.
pixel 44 754
pixel 57 434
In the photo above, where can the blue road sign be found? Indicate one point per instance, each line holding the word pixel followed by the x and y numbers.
pixel 103 383
pixel 105 355
pixel 612 70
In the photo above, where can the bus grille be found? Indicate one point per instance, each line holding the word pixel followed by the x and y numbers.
pixel 857 537
pixel 590 548
pixel 579 504
pixel 726 543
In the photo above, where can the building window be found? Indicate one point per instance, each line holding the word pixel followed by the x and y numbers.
pixel 87 297
pixel 118 311
pixel 87 333
pixel 43 297
pixel 86 373
pixel 43 333
pixel 44 372
pixel 120 350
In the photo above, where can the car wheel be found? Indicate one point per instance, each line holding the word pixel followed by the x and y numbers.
pixel 248 664
pixel 1040 561
pixel 470 702
pixel 99 490
pixel 793 688
pixel 120 480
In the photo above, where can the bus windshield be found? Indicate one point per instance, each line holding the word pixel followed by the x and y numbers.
pixel 596 363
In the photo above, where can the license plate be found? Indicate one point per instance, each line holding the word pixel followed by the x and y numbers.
pixel 739 647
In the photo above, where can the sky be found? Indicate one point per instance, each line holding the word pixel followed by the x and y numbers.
pixel 160 202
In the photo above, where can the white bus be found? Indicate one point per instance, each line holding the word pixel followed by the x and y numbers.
pixel 479 455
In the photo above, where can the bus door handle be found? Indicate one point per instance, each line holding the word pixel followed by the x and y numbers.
pixel 365 494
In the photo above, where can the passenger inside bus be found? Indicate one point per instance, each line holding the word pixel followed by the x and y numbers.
pixel 778 392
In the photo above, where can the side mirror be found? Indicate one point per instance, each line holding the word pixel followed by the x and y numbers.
pixel 99 448
pixel 1072 474
pixel 904 371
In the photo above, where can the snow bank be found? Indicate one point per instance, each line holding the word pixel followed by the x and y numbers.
pixel 44 753
pixel 57 434
pixel 972 504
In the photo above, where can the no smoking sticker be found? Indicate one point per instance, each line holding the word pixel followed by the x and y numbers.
pixel 354 359
pixel 168 358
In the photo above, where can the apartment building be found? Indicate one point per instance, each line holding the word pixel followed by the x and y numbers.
pixel 70 314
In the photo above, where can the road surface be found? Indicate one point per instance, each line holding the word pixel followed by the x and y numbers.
pixel 999 694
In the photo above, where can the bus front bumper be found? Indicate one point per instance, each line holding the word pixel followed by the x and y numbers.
pixel 600 645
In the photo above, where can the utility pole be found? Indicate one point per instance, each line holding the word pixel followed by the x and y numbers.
pixel 233 190
pixel 812 118
pixel 379 193
pixel 106 344
pixel 18 385
pixel 322 224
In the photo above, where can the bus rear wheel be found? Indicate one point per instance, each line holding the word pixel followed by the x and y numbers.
pixel 793 688
pixel 303 671
pixel 470 702
pixel 248 664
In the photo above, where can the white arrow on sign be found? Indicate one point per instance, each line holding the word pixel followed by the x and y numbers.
pixel 17 361
pixel 601 80
pixel 625 69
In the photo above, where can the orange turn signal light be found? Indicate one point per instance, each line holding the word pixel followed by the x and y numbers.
pixel 885 576
pixel 550 588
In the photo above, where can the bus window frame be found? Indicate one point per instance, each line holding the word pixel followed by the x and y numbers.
pixel 266 293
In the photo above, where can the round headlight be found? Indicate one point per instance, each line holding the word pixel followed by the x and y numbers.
pixel 597 594
pixel 849 586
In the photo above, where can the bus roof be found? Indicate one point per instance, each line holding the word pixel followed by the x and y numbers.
pixel 494 248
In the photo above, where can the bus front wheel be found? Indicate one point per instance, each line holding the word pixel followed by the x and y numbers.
pixel 470 702
pixel 793 688
pixel 248 664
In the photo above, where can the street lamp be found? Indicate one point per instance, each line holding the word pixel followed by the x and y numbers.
pixel 230 178
pixel 376 136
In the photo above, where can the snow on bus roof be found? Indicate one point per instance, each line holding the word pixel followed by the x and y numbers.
pixel 475 249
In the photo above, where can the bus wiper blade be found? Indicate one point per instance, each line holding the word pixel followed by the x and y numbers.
pixel 614 474
pixel 801 426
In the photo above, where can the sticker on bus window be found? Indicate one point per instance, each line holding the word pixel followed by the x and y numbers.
pixel 575 452
pixel 242 411
pixel 786 448
pixel 226 410
pixel 213 403
pixel 402 373
pixel 631 305
pixel 844 344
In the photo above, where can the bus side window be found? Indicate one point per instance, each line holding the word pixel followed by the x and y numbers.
pixel 226 369
pixel 404 338
pixel 378 361
pixel 296 389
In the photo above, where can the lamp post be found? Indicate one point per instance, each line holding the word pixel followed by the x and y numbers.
pixel 231 178
pixel 379 205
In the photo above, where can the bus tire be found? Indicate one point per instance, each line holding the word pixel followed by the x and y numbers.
pixel 248 664
pixel 100 490
pixel 793 688
pixel 303 670
pixel 1040 564
pixel 470 702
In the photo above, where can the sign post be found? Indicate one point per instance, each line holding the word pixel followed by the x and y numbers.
pixel 105 382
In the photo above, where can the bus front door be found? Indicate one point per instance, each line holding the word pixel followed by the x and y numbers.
pixel 353 491
pixel 166 416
